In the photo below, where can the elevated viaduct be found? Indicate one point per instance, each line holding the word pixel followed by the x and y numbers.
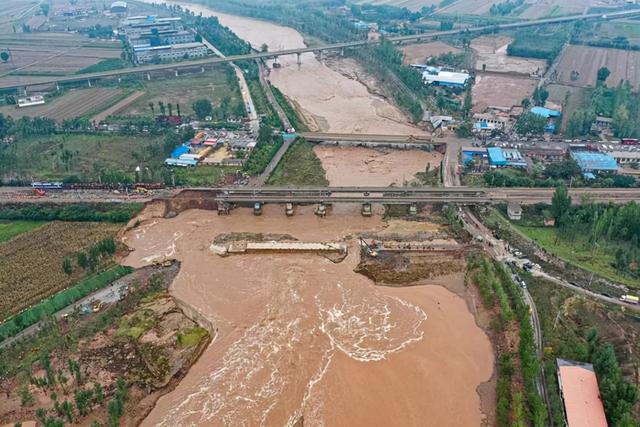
pixel 148 69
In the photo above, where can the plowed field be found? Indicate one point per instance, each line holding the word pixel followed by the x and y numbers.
pixel 586 61
pixel 76 103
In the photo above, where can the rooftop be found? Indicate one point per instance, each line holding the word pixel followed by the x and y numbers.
pixel 545 112
pixel 446 77
pixel 581 395
pixel 594 161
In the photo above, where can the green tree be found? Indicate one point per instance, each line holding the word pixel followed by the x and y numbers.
pixel 83 260
pixel 465 129
pixel 530 124
pixel 4 56
pixel 203 108
pixel 264 47
pixel 83 401
pixel 560 205
pixel 603 74
pixel 152 108
pixel 526 102
pixel 67 267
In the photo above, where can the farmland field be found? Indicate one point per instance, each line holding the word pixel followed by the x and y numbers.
pixel 412 5
pixel 570 97
pixel 417 53
pixel 184 90
pixel 491 52
pixel 586 61
pixel 554 8
pixel 31 266
pixel 503 91
pixel 469 7
pixel 10 229
pixel 54 53
pixel 75 103
pixel 41 158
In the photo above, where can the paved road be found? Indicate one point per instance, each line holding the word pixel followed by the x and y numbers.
pixel 254 122
pixel 107 295
pixel 337 46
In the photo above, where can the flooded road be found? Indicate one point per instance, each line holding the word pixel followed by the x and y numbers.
pixel 301 336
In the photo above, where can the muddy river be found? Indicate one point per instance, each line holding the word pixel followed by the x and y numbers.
pixel 302 337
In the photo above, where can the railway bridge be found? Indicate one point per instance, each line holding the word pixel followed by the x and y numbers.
pixel 228 197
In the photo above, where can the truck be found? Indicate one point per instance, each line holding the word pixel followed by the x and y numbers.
pixel 631 299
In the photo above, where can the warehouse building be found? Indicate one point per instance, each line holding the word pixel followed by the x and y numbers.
pixel 580 394
pixel 505 157
pixel 624 158
pixel 591 162
pixel 162 38
pixel 438 77
pixel 147 54
pixel 118 7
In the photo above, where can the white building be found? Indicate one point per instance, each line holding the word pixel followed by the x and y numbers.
pixel 147 54
pixel 445 78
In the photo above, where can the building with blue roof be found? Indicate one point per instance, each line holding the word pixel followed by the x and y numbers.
pixel 590 162
pixel 496 158
pixel 179 151
pixel 547 113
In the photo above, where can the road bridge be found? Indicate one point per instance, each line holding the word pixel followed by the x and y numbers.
pixel 147 69
pixel 373 140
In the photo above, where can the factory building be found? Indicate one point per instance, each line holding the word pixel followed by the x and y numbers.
pixel 580 394
pixel 118 7
pixel 505 157
pixel 439 77
pixel 162 38
pixel 591 162
pixel 147 54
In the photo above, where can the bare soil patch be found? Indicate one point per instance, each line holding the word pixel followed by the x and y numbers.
pixel 499 90
pixel 491 54
pixel 418 53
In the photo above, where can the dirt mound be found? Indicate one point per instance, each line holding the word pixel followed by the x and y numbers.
pixel 407 269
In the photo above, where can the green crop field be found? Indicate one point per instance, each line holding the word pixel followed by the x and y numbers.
pixel 578 251
pixel 10 229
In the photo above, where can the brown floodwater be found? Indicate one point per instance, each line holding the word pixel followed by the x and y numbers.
pixel 299 335
pixel 354 166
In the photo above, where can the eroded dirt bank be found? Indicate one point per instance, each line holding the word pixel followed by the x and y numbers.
pixel 299 336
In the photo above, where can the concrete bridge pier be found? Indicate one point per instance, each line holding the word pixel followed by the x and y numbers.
pixel 321 209
pixel 223 208
pixel 413 209
pixel 202 69
pixel 366 209
pixel 342 52
pixel 89 83
pixel 299 60
pixel 320 55
pixel 176 72
pixel 148 76
pixel 119 79
pixel 288 209
pixel 57 87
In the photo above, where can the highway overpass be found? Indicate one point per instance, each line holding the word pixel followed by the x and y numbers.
pixel 410 195
pixel 31 81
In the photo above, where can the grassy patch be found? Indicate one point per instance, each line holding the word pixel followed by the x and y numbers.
pixel 576 249
pixel 104 65
pixel 136 325
pixel 10 229
pixel 202 175
pixel 299 166
pixel 192 337
pixel 59 156
pixel 185 90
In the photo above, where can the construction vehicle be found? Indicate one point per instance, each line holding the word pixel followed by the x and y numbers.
pixel 321 210
pixel 96 306
pixel 631 299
